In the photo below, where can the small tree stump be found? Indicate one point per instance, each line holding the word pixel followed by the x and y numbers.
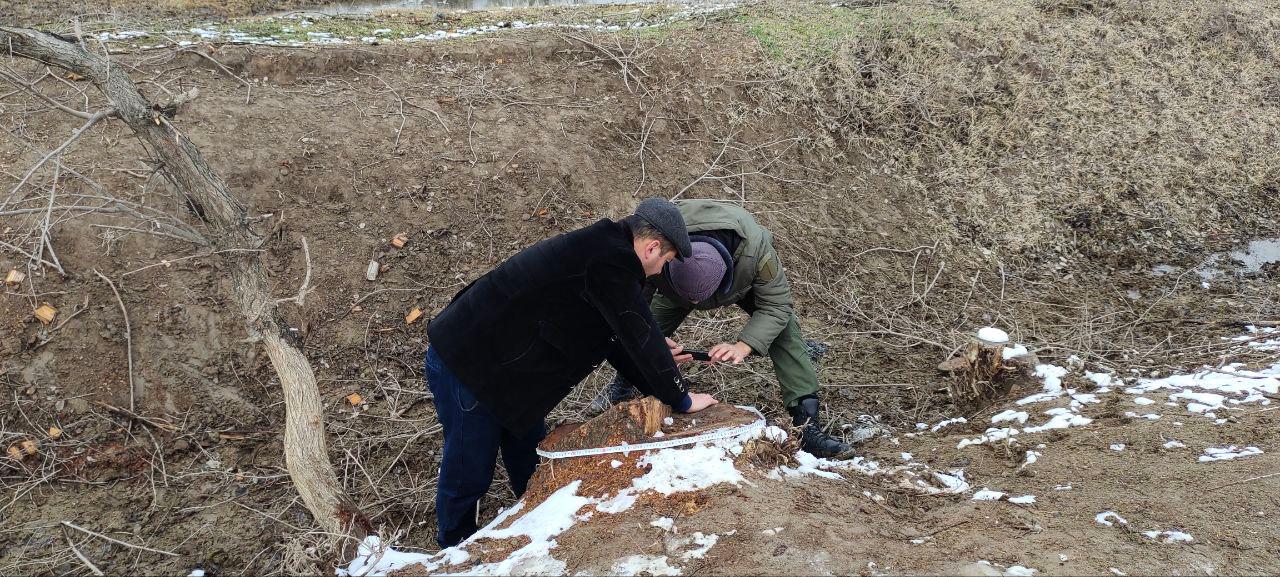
pixel 981 374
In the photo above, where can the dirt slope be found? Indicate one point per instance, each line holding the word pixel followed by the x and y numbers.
pixel 479 146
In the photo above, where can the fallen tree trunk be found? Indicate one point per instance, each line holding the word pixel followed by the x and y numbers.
pixel 209 199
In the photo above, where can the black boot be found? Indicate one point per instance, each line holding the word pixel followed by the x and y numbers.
pixel 615 392
pixel 812 437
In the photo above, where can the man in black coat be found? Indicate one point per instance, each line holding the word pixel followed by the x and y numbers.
pixel 512 345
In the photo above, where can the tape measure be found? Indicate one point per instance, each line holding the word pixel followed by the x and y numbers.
pixel 748 430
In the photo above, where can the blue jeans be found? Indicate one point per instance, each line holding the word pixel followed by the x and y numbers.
pixel 472 439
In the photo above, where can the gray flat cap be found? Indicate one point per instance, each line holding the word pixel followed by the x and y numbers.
pixel 665 217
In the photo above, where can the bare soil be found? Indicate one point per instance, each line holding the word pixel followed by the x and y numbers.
pixel 478 147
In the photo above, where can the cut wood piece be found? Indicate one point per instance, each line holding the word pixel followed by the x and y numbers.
pixel 55 433
pixel 29 447
pixel 14 453
pixel 400 240
pixel 649 413
pixel 413 316
pixel 46 313
pixel 354 398
pixel 15 276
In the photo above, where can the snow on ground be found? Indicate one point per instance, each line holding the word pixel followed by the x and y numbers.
pixel 670 471
pixel 1211 392
pixel 222 33
pixel 1228 453
pixel 1168 537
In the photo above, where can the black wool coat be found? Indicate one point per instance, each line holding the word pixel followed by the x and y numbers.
pixel 521 336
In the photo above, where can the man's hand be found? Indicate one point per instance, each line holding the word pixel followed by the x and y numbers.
pixel 700 401
pixel 725 352
pixel 677 350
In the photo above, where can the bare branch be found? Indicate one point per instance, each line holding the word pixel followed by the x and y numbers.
pixel 30 88
pixel 128 337
pixel 99 115
pixel 306 280
pixel 117 541
pixel 710 167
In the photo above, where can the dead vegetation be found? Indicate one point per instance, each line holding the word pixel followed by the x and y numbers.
pixel 926 170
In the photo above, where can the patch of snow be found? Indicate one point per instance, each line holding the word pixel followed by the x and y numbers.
pixel 1168 537
pixel 1062 418
pixel 668 421
pixel 687 469
pixel 771 532
pixel 1174 444
pixel 374 558
pixel 1009 415
pixel 664 523
pixel 1142 401
pixel 1019 571
pixel 991 435
pixel 988 495
pixel 1117 446
pixel 1117 572
pixel 905 456
pixel 1106 516
pixel 614 464
pixel 1014 351
pixel 1066 487
pixel 953 480
pixel 197 572
pixel 619 503
pixel 1023 500
pixel 993 335
pixel 643 565
pixel 1228 453
pixel 775 434
pixel 948 423
pixel 704 543
pixel 1103 380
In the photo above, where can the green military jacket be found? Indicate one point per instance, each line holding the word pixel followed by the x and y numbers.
pixel 756 269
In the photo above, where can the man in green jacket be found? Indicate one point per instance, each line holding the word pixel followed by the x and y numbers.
pixel 734 263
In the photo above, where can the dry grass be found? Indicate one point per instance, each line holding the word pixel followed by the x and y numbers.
pixel 1126 124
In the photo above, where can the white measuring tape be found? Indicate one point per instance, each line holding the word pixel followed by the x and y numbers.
pixel 752 429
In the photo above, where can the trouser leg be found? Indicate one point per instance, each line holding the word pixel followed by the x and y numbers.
pixel 519 455
pixel 471 440
pixel 796 375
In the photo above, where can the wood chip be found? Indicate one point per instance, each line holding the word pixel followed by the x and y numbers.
pixel 29 447
pixel 14 453
pixel 55 433
pixel 412 316
pixel 15 276
pixel 355 398
pixel 400 240
pixel 46 313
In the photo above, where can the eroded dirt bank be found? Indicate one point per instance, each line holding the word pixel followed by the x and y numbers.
pixel 926 171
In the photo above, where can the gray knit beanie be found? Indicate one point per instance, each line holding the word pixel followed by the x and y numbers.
pixel 696 278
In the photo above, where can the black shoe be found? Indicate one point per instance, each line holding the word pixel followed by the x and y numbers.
pixel 812 437
pixel 617 391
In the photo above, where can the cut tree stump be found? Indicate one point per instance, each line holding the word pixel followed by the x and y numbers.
pixel 981 374
pixel 638 421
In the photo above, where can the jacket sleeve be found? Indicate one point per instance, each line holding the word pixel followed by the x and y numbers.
pixel 640 354
pixel 773 304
